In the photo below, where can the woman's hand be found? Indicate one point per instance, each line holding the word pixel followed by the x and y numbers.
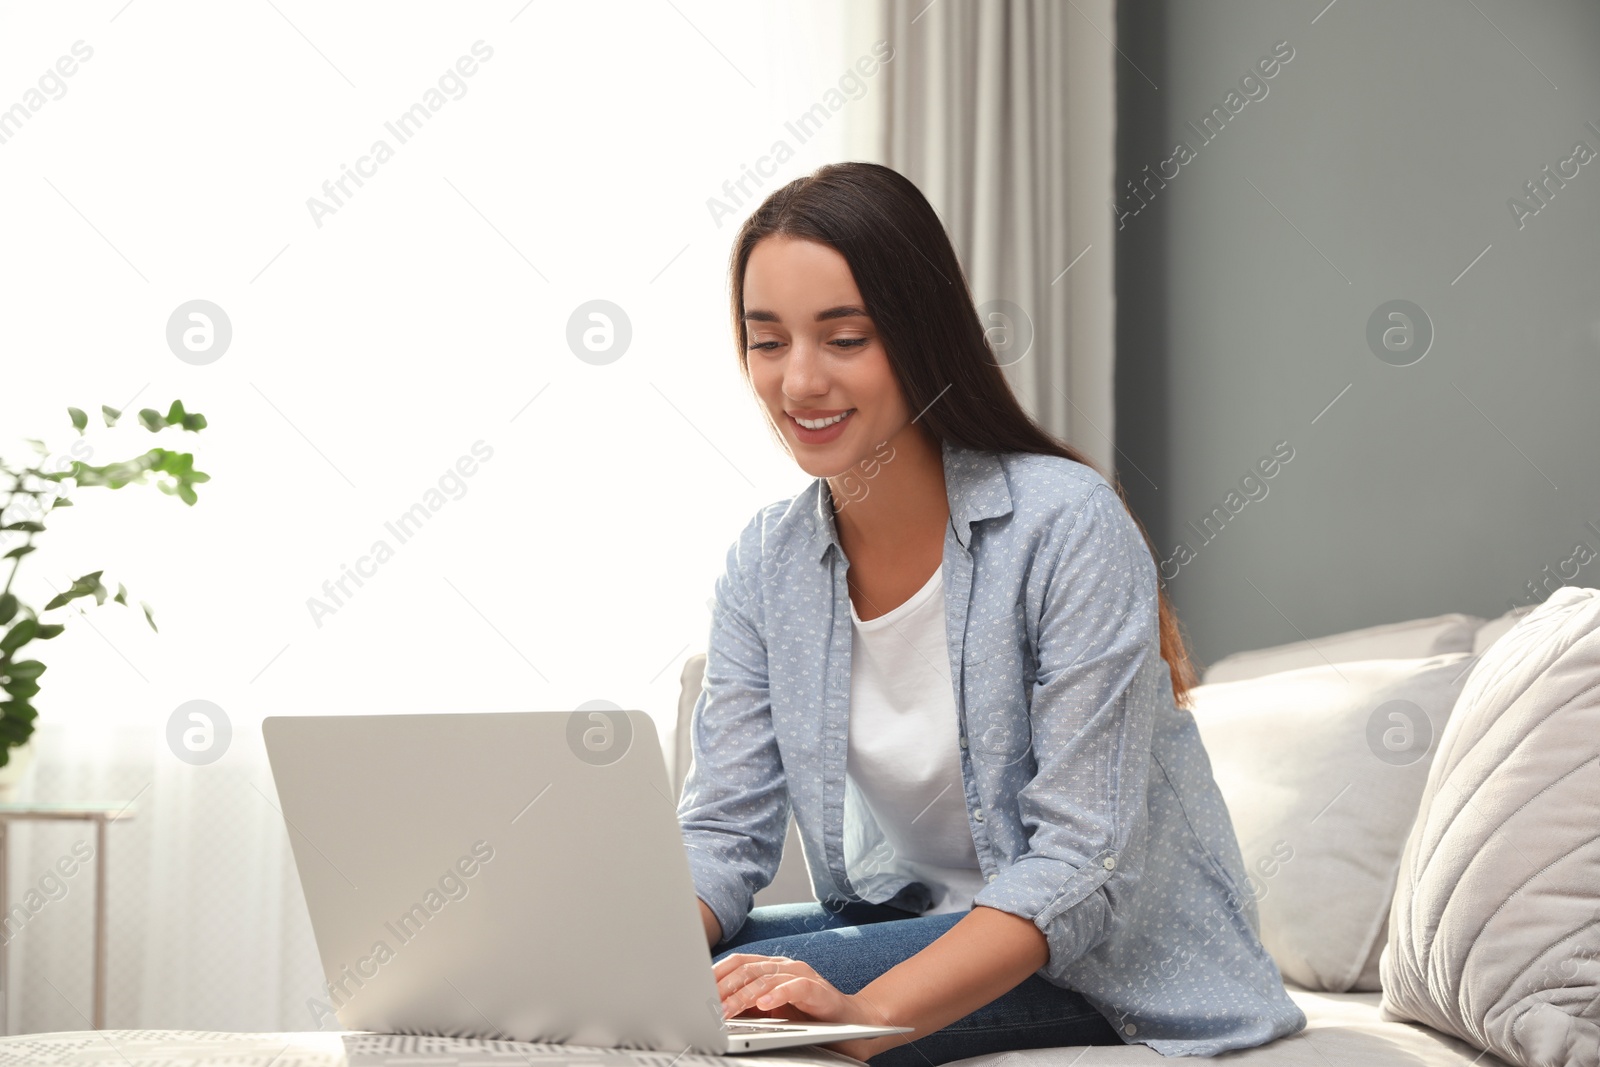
pixel 777 986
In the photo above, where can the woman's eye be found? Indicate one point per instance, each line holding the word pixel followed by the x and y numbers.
pixel 841 342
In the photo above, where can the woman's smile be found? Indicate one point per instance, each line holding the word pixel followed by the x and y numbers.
pixel 818 428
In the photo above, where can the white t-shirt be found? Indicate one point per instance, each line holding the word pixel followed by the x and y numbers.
pixel 903 746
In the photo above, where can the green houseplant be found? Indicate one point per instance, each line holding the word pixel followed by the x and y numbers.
pixel 34 494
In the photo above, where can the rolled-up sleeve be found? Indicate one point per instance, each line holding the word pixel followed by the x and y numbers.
pixel 734 810
pixel 1093 706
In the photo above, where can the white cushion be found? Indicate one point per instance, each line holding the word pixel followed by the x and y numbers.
pixel 1495 629
pixel 1322 768
pixel 1342 1030
pixel 1495 933
pixel 690 681
pixel 792 883
pixel 1413 639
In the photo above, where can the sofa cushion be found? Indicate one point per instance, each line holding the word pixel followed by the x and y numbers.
pixel 1341 1029
pixel 1413 639
pixel 690 681
pixel 792 883
pixel 1322 768
pixel 1495 933
pixel 1496 628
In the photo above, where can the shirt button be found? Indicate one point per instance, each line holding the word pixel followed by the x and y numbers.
pixel 963 741
pixel 990 878
pixel 1110 864
pixel 977 813
pixel 1130 1029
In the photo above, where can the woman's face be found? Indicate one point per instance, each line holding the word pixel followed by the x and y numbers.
pixel 815 355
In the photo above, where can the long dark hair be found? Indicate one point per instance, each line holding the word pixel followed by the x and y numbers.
pixel 917 295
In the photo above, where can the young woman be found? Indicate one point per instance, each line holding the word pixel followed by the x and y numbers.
pixel 951 658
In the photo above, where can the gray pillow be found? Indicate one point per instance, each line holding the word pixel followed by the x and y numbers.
pixel 1322 768
pixel 1495 932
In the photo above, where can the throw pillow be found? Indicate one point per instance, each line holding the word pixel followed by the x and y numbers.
pixel 1321 769
pixel 1394 640
pixel 1495 932
pixel 1496 628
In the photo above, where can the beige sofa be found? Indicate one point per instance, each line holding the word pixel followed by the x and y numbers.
pixel 1417 805
pixel 1324 751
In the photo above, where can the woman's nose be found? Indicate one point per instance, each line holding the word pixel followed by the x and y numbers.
pixel 803 374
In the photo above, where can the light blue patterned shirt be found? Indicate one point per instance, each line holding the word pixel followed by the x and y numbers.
pixel 1089 795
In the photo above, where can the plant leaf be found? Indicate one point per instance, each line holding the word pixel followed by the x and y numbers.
pixel 16 727
pixel 27 668
pixel 149 616
pixel 21 688
pixel 88 585
pixel 192 421
pixel 18 710
pixel 20 634
pixel 79 419
pixel 96 590
pixel 151 419
pixel 8 607
pixel 19 552
pixel 47 630
pixel 122 594
pixel 29 527
pixel 111 415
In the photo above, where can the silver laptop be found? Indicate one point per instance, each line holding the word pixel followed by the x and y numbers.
pixel 511 875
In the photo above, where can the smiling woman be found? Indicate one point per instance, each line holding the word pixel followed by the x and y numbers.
pixel 967 687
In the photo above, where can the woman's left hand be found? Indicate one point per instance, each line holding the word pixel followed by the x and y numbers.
pixel 790 989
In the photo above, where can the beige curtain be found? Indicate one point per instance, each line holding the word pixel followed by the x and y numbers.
pixel 1001 112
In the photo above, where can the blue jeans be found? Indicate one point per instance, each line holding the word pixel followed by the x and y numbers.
pixel 852 945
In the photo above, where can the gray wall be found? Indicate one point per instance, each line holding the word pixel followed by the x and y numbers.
pixel 1377 166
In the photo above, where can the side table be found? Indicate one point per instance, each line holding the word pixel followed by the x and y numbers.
pixel 100 815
